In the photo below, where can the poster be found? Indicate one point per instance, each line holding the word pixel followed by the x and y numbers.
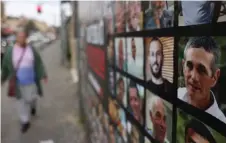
pixel 134 21
pixel 158 14
pixel 158 118
pixel 136 100
pixel 135 56
pixel 160 64
pixel 201 79
pixel 190 129
pixel 159 84
pixel 120 53
pixel 192 13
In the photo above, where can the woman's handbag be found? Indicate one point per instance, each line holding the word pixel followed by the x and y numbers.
pixel 12 81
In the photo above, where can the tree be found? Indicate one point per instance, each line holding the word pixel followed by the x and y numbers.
pixel 30 26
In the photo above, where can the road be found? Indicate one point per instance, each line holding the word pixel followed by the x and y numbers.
pixel 57 113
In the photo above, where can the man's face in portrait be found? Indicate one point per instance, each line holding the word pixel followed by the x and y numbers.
pixel 121 90
pixel 121 56
pixel 135 103
pixel 193 137
pixel 120 16
pixel 156 58
pixel 112 135
pixel 134 13
pixel 158 118
pixel 198 75
pixel 111 50
pixel 133 48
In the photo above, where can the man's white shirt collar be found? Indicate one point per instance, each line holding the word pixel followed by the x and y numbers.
pixel 213 109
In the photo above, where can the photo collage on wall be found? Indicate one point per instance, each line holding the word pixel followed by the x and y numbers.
pixel 159 73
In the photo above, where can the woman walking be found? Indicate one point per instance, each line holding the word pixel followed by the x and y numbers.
pixel 23 66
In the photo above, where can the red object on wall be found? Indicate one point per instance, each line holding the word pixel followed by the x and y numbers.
pixel 96 60
pixel 39 9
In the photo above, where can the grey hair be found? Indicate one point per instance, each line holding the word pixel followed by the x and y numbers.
pixel 209 45
pixel 152 101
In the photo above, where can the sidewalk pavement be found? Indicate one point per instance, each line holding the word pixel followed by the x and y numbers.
pixel 57 117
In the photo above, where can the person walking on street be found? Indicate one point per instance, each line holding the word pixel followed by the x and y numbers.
pixel 24 64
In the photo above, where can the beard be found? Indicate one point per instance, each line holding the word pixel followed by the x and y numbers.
pixel 157 74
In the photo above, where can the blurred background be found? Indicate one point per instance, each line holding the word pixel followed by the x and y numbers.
pixel 57 30
pixel 41 19
pixel 50 27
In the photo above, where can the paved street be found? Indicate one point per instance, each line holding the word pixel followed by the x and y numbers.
pixel 58 111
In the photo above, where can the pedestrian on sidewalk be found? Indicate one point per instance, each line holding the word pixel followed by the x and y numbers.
pixel 24 63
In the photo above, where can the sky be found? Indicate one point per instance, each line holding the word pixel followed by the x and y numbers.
pixel 28 8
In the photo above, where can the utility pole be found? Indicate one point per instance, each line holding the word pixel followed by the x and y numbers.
pixel 73 41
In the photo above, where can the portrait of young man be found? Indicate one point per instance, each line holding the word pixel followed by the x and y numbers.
pixel 156 119
pixel 159 14
pixel 201 74
pixel 134 16
pixel 120 53
pixel 135 54
pixel 135 101
pixel 121 89
pixel 120 18
pixel 110 52
pixel 155 61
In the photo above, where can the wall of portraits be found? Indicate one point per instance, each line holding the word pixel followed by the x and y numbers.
pixel 158 71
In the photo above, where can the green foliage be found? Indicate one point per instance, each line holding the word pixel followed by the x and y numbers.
pixel 30 26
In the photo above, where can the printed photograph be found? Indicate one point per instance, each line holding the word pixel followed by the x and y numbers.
pixel 158 14
pixel 134 16
pixel 111 80
pixel 119 138
pixel 135 100
pixel 98 132
pixel 200 12
pixel 158 118
pixel 109 5
pixel 112 134
pixel 135 56
pixel 134 134
pixel 120 16
pixel 110 52
pixel 202 74
pixel 118 117
pixel 121 89
pixel 120 53
pixel 160 64
pixel 192 130
pixel 106 121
